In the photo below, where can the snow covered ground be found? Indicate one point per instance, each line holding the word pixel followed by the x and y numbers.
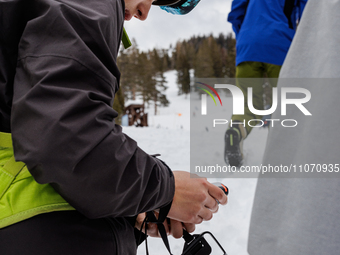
pixel 169 135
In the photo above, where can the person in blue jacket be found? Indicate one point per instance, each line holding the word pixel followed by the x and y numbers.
pixel 264 31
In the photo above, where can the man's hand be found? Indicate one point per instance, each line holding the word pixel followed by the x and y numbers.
pixel 195 199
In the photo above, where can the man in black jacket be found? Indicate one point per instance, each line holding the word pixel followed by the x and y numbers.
pixel 58 78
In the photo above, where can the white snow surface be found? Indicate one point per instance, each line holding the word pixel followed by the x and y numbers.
pixel 169 135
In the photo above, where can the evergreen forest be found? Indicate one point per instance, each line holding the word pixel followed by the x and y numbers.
pixel 142 73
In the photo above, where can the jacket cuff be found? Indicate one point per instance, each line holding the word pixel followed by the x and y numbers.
pixel 170 192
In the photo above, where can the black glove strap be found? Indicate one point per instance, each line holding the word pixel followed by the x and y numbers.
pixel 163 212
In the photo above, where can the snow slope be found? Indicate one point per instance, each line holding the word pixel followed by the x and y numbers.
pixel 169 135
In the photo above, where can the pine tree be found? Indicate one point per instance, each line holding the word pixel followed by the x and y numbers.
pixel 146 82
pixel 183 56
pixel 204 63
pixel 128 64
pixel 157 59
pixel 215 53
pixel 230 65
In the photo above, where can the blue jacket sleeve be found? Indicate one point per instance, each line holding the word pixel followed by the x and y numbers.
pixel 237 14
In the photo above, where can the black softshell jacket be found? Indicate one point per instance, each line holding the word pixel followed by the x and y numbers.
pixel 58 78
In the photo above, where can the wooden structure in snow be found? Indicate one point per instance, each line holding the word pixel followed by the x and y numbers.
pixel 137 116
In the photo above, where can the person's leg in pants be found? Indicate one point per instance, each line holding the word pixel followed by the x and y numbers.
pixel 248 75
